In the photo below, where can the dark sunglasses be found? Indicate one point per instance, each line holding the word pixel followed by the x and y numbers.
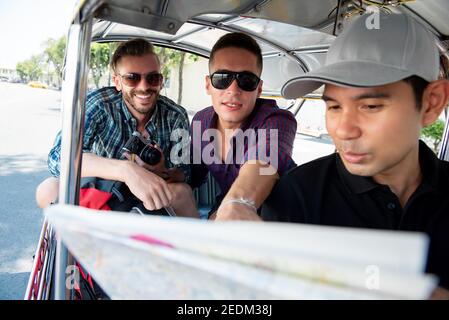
pixel 246 80
pixel 133 79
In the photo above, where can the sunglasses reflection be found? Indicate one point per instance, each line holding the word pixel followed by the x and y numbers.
pixel 246 80
pixel 132 79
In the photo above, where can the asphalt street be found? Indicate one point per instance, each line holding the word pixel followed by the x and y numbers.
pixel 29 120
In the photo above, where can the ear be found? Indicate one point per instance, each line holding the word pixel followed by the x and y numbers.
pixel 117 82
pixel 208 85
pixel 435 99
pixel 259 88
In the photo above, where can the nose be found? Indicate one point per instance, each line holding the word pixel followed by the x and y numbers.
pixel 233 88
pixel 347 126
pixel 143 84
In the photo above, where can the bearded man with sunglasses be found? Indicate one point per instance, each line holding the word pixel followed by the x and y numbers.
pixel 238 113
pixel 112 115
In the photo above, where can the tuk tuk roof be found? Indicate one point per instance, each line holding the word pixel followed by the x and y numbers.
pixel 293 34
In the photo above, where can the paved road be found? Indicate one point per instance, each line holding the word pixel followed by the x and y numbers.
pixel 29 120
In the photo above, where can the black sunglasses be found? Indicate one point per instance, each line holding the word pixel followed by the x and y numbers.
pixel 246 80
pixel 133 79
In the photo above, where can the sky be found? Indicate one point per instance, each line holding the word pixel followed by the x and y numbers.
pixel 26 24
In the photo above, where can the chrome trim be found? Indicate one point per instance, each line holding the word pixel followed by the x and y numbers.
pixel 220 25
pixel 444 149
pixel 73 101
pixel 31 280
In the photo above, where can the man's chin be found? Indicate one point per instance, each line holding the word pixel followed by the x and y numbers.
pixel 145 109
pixel 148 106
pixel 362 170
pixel 232 118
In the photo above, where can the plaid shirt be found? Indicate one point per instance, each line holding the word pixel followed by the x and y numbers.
pixel 266 115
pixel 109 124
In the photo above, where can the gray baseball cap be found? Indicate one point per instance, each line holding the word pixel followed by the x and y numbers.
pixel 363 57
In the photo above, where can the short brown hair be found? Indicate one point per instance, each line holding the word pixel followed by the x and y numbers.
pixel 135 47
pixel 237 40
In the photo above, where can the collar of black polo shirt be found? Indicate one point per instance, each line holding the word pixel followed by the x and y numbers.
pixel 434 176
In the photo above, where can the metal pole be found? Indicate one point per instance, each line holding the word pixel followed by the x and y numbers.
pixel 34 274
pixel 73 100
pixel 444 150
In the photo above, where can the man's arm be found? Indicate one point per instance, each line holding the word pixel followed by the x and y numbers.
pixel 253 184
pixel 94 123
pixel 151 189
pixel 257 176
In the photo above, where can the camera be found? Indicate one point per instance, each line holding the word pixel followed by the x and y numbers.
pixel 145 149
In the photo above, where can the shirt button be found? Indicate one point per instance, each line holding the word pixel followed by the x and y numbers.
pixel 391 206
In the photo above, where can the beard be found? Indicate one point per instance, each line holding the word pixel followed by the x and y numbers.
pixel 130 99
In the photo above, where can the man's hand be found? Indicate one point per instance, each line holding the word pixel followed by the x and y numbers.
pixel 250 184
pixel 151 189
pixel 235 211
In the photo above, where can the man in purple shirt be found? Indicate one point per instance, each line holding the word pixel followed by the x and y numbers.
pixel 244 141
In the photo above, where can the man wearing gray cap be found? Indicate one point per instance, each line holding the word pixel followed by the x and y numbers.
pixel 381 89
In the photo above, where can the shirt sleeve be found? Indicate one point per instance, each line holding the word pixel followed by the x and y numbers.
pixel 92 119
pixel 274 142
pixel 53 161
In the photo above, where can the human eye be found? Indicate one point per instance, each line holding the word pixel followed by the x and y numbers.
pixel 372 107
pixel 332 107
pixel 131 76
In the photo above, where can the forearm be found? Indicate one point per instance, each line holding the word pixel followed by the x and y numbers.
pixel 175 175
pixel 253 183
pixel 105 168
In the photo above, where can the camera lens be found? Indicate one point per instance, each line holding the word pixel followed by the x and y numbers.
pixel 150 155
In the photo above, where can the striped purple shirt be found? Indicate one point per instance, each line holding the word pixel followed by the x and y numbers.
pixel 267 134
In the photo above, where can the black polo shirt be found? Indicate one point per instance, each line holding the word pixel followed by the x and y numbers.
pixel 323 192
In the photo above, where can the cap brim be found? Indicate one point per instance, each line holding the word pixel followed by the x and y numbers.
pixel 346 74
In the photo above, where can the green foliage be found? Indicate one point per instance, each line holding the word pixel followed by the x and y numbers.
pixel 434 133
pixel 99 61
pixel 171 58
pixel 54 53
pixel 100 55
pixel 30 69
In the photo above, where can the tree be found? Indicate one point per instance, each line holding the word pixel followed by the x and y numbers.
pixel 112 47
pixel 99 57
pixel 55 53
pixel 180 71
pixel 171 58
pixel 30 69
pixel 434 133
pixel 99 60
